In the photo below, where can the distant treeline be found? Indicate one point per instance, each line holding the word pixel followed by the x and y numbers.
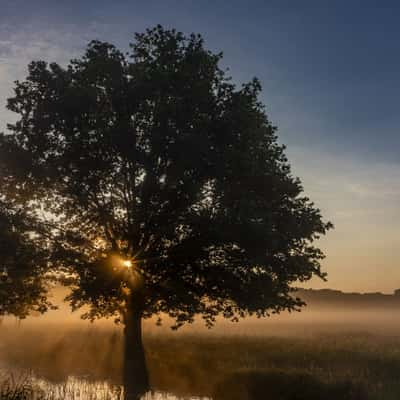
pixel 337 298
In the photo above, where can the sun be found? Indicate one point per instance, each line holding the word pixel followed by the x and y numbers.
pixel 127 263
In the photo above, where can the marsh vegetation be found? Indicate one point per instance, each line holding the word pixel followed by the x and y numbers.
pixel 310 354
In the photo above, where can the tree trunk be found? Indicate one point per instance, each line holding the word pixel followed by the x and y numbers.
pixel 135 379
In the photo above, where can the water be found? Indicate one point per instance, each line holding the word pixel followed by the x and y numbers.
pixel 74 388
pixel 80 389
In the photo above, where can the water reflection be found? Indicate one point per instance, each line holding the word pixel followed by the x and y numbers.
pixel 73 388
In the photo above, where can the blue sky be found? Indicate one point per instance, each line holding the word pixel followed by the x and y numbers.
pixel 330 73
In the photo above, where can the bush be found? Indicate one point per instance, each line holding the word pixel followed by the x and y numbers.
pixel 282 385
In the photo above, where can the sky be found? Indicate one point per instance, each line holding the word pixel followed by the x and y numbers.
pixel 330 76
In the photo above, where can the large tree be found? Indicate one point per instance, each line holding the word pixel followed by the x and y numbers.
pixel 159 187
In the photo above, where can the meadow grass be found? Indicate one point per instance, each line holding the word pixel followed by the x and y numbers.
pixel 358 363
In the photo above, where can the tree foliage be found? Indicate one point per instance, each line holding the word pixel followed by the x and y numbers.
pixel 23 281
pixel 157 157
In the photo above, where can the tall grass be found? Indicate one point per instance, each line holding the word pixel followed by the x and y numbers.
pixel 189 364
pixel 28 387
pixel 19 387
pixel 284 385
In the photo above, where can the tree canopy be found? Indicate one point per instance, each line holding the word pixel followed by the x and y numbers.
pixel 23 283
pixel 156 160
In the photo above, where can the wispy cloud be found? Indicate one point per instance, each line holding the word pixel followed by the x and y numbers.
pixel 20 46
pixel 362 199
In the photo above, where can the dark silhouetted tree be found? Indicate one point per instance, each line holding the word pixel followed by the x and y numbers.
pixel 161 187
pixel 24 282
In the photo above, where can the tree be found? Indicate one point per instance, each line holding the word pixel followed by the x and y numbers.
pixel 161 188
pixel 23 281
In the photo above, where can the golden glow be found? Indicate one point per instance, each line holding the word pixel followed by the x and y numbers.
pixel 127 263
pixel 99 244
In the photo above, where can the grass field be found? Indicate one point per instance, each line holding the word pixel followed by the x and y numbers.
pixel 198 364
pixel 346 365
